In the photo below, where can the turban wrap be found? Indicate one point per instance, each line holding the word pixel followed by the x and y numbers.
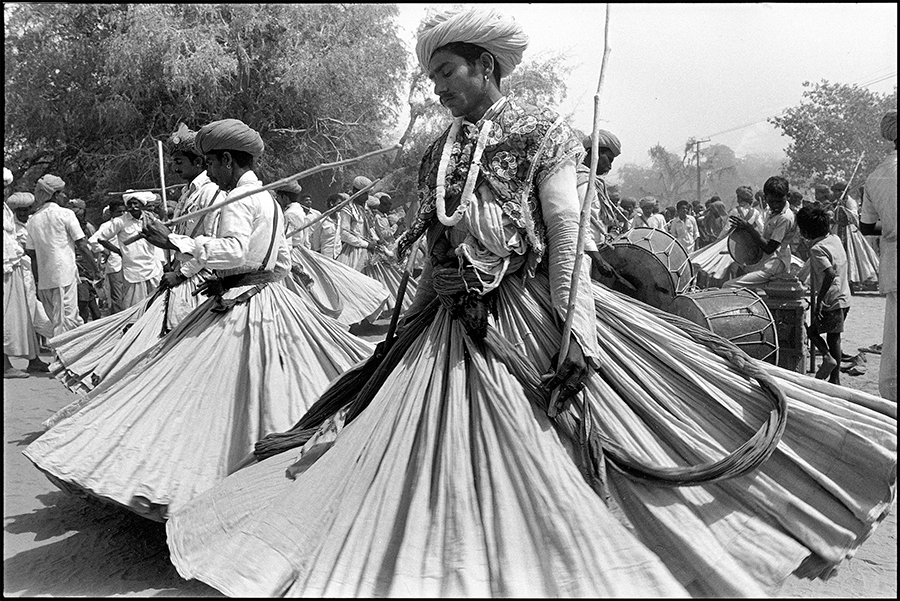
pixel 7 177
pixel 360 182
pixel 744 193
pixel 229 134
pixel 605 139
pixel 498 34
pixel 47 186
pixel 182 140
pixel 647 201
pixel 20 200
pixel 889 126
pixel 77 202
pixel 142 197
pixel 291 188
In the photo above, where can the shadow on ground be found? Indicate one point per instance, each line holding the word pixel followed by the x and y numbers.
pixel 94 550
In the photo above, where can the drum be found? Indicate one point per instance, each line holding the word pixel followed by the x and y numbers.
pixel 737 314
pixel 743 249
pixel 653 261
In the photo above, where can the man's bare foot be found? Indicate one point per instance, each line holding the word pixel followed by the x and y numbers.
pixel 828 365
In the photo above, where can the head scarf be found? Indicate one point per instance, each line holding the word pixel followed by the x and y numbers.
pixel 744 193
pixel 182 140
pixel 20 200
pixel 485 27
pixel 47 186
pixel 229 134
pixel 889 126
pixel 142 197
pixel 7 177
pixel 360 182
pixel 605 139
pixel 77 202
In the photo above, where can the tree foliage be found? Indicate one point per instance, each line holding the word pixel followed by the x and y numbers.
pixel 91 87
pixel 829 131
pixel 671 177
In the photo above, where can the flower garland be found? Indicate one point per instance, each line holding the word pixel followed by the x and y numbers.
pixel 474 168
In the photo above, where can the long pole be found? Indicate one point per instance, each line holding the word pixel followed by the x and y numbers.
pixel 162 177
pixel 172 187
pixel 333 209
pixel 553 408
pixel 697 154
pixel 272 186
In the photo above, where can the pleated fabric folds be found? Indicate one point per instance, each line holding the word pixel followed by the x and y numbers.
pixel 451 484
pixel 186 412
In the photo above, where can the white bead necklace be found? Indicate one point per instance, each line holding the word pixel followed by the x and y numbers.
pixel 474 168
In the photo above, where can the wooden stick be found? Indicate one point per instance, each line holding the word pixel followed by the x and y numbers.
pixel 333 209
pixel 172 187
pixel 273 185
pixel 553 409
pixel 401 292
pixel 162 177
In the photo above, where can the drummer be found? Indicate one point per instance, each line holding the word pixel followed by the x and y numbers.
pixel 775 241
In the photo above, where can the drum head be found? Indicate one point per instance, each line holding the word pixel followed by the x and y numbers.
pixel 743 249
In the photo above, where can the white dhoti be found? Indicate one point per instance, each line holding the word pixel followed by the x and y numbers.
pixel 61 305
pixel 19 338
pixel 40 321
pixel 133 293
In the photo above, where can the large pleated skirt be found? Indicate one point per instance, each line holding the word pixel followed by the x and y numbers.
pixel 451 484
pixel 339 291
pixel 862 260
pixel 19 336
pixel 389 275
pixel 186 412
pixel 80 350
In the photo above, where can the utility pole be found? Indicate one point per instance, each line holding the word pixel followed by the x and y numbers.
pixel 697 154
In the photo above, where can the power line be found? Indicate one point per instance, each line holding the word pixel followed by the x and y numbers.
pixel 781 112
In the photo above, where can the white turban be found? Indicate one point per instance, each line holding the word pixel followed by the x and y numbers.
pixel 142 197
pixel 7 177
pixel 47 186
pixel 500 35
pixel 20 200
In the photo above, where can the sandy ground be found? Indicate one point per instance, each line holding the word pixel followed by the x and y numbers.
pixel 58 545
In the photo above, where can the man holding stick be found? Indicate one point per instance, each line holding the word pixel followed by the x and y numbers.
pixel 247 361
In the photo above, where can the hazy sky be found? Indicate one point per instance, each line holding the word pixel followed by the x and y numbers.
pixel 677 71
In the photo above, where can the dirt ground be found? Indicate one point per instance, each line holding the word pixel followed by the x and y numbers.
pixel 58 545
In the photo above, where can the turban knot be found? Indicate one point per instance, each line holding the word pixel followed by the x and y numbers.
pixel 47 186
pixel 229 134
pixel 7 177
pixel 605 139
pixel 500 35
pixel 889 126
pixel 182 140
pixel 142 197
pixel 20 200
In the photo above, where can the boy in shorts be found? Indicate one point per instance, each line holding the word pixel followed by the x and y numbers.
pixel 828 278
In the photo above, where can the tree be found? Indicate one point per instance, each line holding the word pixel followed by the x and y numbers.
pixel 670 178
pixel 830 131
pixel 90 88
